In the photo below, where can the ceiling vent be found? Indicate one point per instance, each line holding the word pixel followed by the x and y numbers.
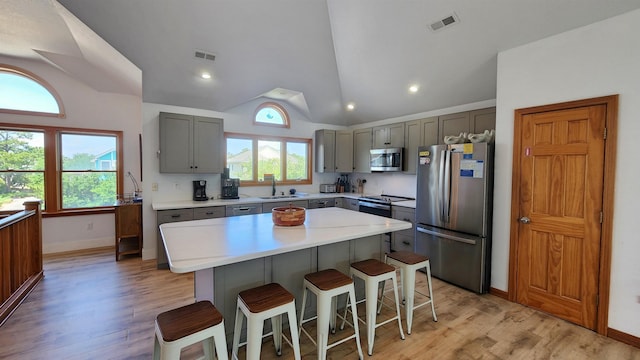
pixel 443 23
pixel 205 55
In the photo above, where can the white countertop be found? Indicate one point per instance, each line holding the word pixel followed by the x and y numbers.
pixel 187 204
pixel 203 244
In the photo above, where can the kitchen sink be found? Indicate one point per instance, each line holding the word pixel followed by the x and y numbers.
pixel 279 197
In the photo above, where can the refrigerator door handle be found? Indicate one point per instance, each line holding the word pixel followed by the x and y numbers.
pixel 447 185
pixel 441 187
pixel 446 236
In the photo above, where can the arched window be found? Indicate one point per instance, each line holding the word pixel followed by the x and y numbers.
pixel 22 92
pixel 272 114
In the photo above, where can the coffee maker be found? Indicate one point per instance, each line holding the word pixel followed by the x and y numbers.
pixel 228 187
pixel 200 190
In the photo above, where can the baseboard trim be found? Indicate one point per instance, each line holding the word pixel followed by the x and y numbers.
pixel 66 246
pixel 499 293
pixel 623 337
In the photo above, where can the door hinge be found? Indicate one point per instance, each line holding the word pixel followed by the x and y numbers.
pixel 605 133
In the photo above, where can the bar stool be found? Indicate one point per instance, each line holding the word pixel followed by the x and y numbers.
pixel 373 272
pixel 181 327
pixel 257 305
pixel 327 285
pixel 408 263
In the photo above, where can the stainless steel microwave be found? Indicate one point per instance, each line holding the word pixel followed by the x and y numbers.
pixel 389 159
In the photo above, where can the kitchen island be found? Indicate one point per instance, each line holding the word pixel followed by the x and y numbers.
pixel 231 254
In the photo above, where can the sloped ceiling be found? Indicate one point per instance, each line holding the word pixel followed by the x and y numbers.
pixel 315 55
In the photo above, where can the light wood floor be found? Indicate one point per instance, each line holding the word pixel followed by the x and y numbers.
pixel 90 307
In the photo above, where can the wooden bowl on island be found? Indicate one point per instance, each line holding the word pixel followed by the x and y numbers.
pixel 288 215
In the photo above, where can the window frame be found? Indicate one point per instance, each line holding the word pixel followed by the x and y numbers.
pixel 278 108
pixel 283 158
pixel 53 166
pixel 6 68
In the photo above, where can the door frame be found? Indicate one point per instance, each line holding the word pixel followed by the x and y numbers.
pixel 610 147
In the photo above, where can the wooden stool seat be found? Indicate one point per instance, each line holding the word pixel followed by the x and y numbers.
pixel 184 321
pixel 372 267
pixel 265 297
pixel 187 325
pixel 407 257
pixel 328 279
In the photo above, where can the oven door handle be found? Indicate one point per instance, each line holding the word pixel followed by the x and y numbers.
pixel 374 205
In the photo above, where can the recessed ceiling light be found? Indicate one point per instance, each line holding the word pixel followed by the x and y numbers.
pixel 205 75
pixel 414 88
pixel 351 106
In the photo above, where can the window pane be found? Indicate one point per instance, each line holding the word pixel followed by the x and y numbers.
pixel 297 161
pixel 21 152
pixel 18 187
pixel 240 158
pixel 88 189
pixel 18 92
pixel 88 152
pixel 269 115
pixel 269 159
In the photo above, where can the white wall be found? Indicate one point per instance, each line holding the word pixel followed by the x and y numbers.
pixel 596 60
pixel 85 108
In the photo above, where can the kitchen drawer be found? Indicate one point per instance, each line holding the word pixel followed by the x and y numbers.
pixel 167 216
pixel 402 242
pixel 268 206
pixel 321 203
pixel 210 212
pixel 243 209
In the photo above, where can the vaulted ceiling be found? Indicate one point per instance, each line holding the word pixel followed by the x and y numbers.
pixel 315 55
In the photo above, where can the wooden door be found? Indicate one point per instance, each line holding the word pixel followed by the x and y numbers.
pixel 561 177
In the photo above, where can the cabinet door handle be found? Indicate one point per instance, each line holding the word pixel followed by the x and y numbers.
pixel 405 219
pixel 406 242
pixel 175 216
pixel 209 213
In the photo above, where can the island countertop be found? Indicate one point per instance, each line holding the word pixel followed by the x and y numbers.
pixel 202 244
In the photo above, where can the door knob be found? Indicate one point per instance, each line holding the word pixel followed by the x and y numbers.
pixel 524 220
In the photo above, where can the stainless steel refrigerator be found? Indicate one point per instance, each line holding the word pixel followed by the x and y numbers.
pixel 453 212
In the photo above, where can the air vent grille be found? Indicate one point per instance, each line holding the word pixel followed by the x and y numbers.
pixel 445 22
pixel 205 55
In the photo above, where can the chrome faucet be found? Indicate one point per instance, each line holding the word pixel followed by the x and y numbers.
pixel 273 186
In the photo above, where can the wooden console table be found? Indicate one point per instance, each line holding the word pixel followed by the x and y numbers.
pixel 128 229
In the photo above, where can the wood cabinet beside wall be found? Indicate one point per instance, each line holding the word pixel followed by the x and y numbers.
pixel 191 144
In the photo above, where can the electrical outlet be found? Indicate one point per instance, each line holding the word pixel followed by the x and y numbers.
pixel 90 226
pixel 154 187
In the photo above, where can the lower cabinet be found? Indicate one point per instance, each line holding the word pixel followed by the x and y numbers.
pixel 268 206
pixel 403 240
pixel 321 203
pixel 243 209
pixel 128 229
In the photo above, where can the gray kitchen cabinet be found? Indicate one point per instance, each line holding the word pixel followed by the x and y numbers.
pixel 481 120
pixel 211 212
pixel 163 217
pixel 388 136
pixel 351 204
pixel 191 144
pixel 429 131
pixel 411 142
pixel 403 240
pixel 344 151
pixel 361 148
pixel 321 203
pixel 474 122
pixel 453 125
pixel 243 209
pixel 339 202
pixel 325 145
pixel 268 206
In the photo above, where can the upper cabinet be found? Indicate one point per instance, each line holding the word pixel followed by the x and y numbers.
pixel 361 147
pixel 334 151
pixel 476 121
pixel 191 144
pixel 421 132
pixel 388 136
pixel 325 151
pixel 344 151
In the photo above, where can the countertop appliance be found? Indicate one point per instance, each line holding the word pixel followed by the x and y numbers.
pixel 454 210
pixel 388 159
pixel 200 190
pixel 327 188
pixel 381 206
pixel 228 186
